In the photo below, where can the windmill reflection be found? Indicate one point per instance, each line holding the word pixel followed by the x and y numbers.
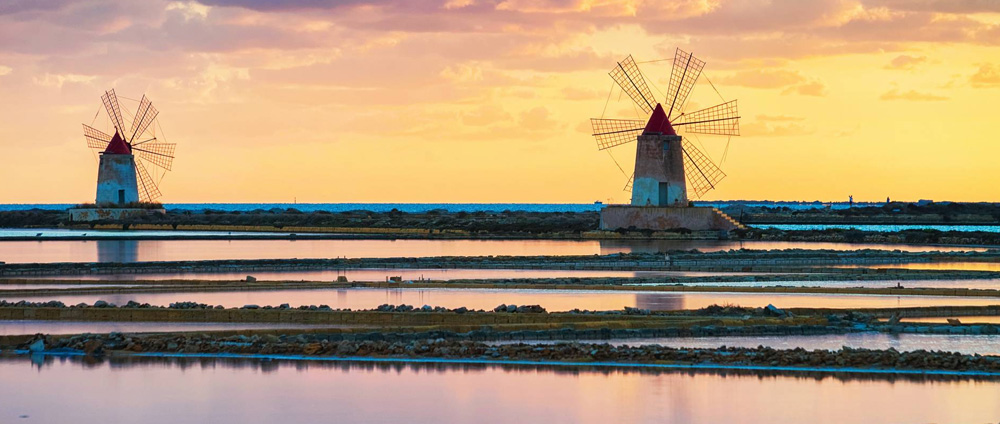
pixel 117 251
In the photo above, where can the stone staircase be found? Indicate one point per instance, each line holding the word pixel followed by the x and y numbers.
pixel 729 219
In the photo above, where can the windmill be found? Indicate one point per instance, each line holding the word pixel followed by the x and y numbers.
pixel 664 160
pixel 122 175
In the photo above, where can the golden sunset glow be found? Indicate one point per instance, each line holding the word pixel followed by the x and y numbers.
pixel 489 101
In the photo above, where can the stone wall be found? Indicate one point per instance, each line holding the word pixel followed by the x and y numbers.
pixel 663 218
pixel 109 214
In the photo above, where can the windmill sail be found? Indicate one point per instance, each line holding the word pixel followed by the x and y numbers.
pixel 702 175
pixel 96 139
pixel 159 154
pixel 147 188
pixel 627 75
pixel 683 75
pixel 114 110
pixel 143 117
pixel 615 132
pixel 720 119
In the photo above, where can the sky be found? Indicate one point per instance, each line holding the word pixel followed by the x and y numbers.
pixel 489 100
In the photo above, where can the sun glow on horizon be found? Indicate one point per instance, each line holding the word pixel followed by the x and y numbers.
pixel 467 101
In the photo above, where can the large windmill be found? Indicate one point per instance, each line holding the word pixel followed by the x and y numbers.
pixel 122 175
pixel 663 160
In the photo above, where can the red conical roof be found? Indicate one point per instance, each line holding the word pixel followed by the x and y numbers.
pixel 658 123
pixel 118 146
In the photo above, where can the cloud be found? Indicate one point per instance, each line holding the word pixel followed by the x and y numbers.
pixel 463 72
pixel 577 93
pixel 4 70
pixel 291 5
pixel 8 7
pixel 938 6
pixel 485 115
pixel 190 10
pixel 988 75
pixel 537 119
pixel 905 62
pixel 779 118
pixel 762 78
pixel 911 95
pixel 54 80
pixel 812 88
pixel 774 129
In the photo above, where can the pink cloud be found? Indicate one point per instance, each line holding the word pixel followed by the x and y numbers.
pixel 911 95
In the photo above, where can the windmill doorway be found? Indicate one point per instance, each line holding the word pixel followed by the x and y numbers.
pixel 121 197
pixel 664 197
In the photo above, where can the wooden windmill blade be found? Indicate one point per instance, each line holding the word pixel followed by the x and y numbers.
pixel 159 154
pixel 148 191
pixel 615 132
pixel 702 175
pixel 683 75
pixel 114 110
pixel 144 116
pixel 96 139
pixel 722 119
pixel 628 76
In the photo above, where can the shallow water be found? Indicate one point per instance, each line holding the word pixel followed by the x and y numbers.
pixel 880 228
pixel 416 274
pixel 964 320
pixel 44 233
pixel 937 266
pixel 65 286
pixel 182 250
pixel 951 284
pixel 382 274
pixel 967 344
pixel 77 327
pixel 552 300
pixel 244 391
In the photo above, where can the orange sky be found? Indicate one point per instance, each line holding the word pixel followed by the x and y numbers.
pixel 489 101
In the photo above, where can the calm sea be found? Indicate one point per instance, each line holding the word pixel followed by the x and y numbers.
pixel 424 207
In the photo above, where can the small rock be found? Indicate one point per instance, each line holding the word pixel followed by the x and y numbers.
pixel 250 279
pixel 774 310
pixel 93 347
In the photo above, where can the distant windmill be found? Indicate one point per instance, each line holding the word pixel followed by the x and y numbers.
pixel 663 159
pixel 122 176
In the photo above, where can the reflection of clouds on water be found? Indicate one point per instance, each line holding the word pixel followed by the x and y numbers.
pixel 121 251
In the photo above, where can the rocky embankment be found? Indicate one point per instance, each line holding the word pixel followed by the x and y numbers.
pixel 518 322
pixel 119 344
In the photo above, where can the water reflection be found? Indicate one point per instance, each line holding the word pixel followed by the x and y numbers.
pixel 251 391
pixel 937 266
pixel 19 327
pixel 123 251
pixel 407 274
pixel 43 363
pixel 182 250
pixel 552 300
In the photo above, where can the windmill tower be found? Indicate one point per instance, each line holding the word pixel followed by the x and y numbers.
pixel 122 176
pixel 668 167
